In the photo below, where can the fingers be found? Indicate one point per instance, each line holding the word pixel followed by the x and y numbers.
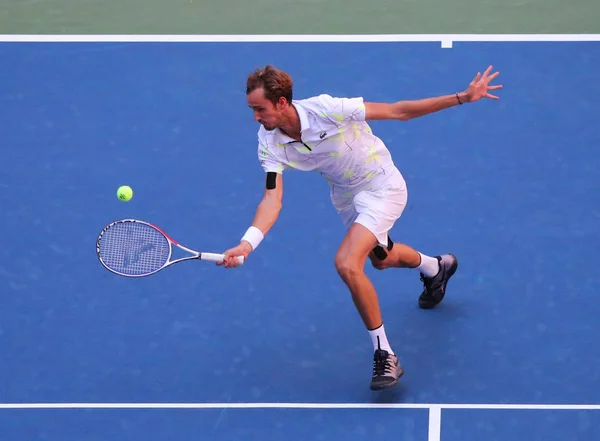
pixel 479 86
pixel 230 261
pixel 486 77
pixel 492 76
pixel 489 95
pixel 225 255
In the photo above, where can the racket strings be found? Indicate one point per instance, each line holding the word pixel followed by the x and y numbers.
pixel 134 248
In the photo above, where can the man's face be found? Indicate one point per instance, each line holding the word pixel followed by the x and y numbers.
pixel 265 112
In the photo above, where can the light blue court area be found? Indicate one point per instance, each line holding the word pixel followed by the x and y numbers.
pixel 511 187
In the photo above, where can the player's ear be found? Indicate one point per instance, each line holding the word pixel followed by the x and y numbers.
pixel 282 102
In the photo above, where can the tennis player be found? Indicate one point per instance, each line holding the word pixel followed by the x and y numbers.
pixel 332 137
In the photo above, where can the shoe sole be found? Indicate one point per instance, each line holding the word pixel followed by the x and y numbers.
pixel 388 385
pixel 451 272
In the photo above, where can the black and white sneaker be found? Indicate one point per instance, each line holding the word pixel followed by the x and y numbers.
pixel 386 370
pixel 434 288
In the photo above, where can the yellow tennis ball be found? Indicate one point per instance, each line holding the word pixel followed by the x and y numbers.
pixel 125 193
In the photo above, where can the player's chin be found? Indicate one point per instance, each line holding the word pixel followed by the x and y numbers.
pixel 268 127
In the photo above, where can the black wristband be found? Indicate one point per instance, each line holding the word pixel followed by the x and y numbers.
pixel 458 99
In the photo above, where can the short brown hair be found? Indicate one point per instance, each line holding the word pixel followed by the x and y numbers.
pixel 276 83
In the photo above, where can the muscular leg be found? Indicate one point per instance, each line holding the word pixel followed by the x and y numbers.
pixel 349 262
pixel 400 256
pixel 435 271
pixel 403 256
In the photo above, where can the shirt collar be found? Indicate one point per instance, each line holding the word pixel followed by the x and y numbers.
pixel 304 123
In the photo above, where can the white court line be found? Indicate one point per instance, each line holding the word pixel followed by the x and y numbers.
pixel 435 410
pixel 435 423
pixel 297 406
pixel 446 40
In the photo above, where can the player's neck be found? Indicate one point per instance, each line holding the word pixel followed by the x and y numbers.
pixel 291 123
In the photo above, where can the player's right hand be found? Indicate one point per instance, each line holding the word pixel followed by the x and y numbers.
pixel 243 249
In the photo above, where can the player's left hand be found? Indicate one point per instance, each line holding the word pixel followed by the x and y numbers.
pixel 480 88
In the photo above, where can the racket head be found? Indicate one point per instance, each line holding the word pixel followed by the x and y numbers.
pixel 133 248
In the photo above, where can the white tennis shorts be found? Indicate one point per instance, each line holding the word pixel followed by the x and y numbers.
pixel 377 210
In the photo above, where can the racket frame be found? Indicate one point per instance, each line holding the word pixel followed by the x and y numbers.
pixel 209 257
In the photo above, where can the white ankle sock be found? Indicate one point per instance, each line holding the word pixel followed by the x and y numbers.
pixel 429 266
pixel 382 343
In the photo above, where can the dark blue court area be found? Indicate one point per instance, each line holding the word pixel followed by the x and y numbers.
pixel 511 187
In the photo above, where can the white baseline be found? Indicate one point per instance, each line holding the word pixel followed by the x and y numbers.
pixel 297 406
pixel 446 40
pixel 434 416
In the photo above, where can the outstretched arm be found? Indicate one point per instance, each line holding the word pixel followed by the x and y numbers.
pixel 405 110
pixel 269 207
pixel 265 217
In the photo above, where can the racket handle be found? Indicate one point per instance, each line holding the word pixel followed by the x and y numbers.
pixel 212 257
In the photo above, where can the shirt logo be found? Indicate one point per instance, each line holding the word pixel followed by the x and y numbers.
pixel 323 135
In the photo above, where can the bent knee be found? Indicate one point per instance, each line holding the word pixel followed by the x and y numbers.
pixel 346 268
pixel 377 263
pixel 379 256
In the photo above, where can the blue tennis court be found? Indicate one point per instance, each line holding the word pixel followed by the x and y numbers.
pixel 276 350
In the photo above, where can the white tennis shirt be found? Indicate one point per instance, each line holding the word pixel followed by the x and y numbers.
pixel 336 142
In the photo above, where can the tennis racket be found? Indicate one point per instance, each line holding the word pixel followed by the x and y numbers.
pixel 134 248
